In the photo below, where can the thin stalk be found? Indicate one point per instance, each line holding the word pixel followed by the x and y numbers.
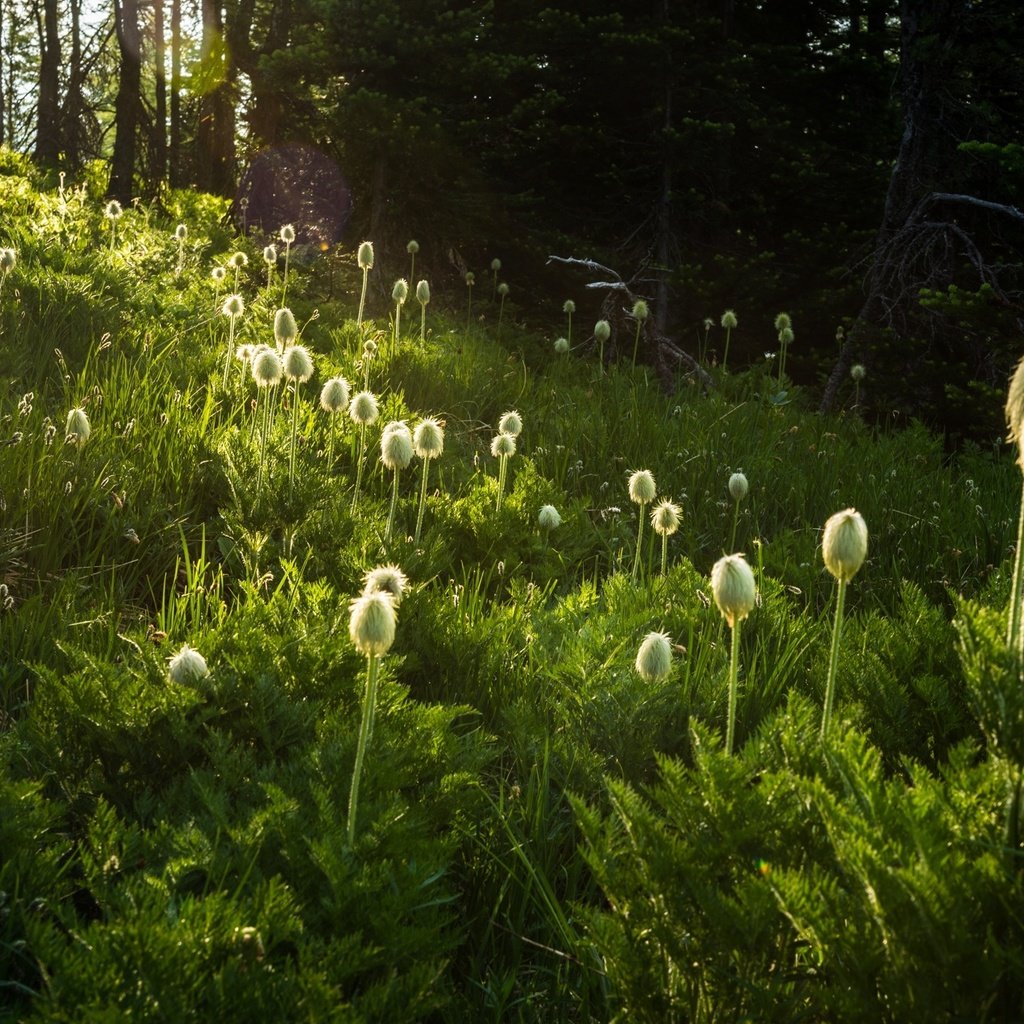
pixel 636 341
pixel 394 505
pixel 639 544
pixel 365 732
pixel 423 501
pixel 501 313
pixel 664 554
pixel 734 675
pixel 833 659
pixel 600 356
pixel 725 353
pixel 469 308
pixel 362 296
pixel 568 332
pixel 295 430
pixel 423 323
pixel 284 288
pixel 735 520
pixel 231 347
pixel 267 408
pixel 502 463
pixel 782 361
pixel 330 444
pixel 398 328
pixel 1014 632
pixel 359 464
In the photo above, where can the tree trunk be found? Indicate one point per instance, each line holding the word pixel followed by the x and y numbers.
pixel 928 29
pixel 215 136
pixel 71 121
pixel 175 170
pixel 3 95
pixel 127 105
pixel 48 141
pixel 159 132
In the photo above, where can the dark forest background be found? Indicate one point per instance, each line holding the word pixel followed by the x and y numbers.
pixel 856 163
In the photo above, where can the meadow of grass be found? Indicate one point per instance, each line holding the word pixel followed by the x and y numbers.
pixel 544 832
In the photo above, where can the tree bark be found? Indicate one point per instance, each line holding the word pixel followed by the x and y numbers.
pixel 175 169
pixel 158 139
pixel 48 140
pixel 928 30
pixel 215 135
pixel 127 105
pixel 72 131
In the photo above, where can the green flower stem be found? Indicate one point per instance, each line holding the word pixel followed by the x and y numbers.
pixel 398 328
pixel 734 675
pixel 267 408
pixel 735 520
pixel 725 353
pixel 501 313
pixel 231 347
pixel 568 332
pixel 362 297
pixel 600 356
pixel 394 505
pixel 664 554
pixel 639 544
pixel 502 463
pixel 636 341
pixel 359 464
pixel 284 287
pixel 365 733
pixel 423 501
pixel 833 660
pixel 1014 631
pixel 330 445
pixel 295 430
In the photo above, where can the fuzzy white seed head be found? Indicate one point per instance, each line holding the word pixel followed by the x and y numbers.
pixel 267 368
pixel 237 260
pixel 665 517
pixel 738 486
pixel 495 264
pixel 363 409
pixel 503 289
pixel 654 659
pixel 470 278
pixel 857 372
pixel 187 666
pixel 428 438
pixel 181 232
pixel 569 306
pixel 640 310
pixel 503 446
pixel 561 346
pixel 548 517
pixel 334 395
pixel 401 291
pixel 602 330
pixel 396 445
pixel 287 234
pixel 422 293
pixel 732 583
pixel 365 256
pixel 387 579
pixel 285 328
pixel 782 322
pixel 369 348
pixel 511 423
pixel 844 544
pixel 112 211
pixel 218 274
pixel 78 426
pixel 1015 411
pixel 270 256
pixel 8 257
pixel 371 623
pixel 786 336
pixel 729 320
pixel 298 363
pixel 642 488
pixel 413 247
pixel 233 306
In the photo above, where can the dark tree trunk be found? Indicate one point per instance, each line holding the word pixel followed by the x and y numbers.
pixel 159 133
pixel 48 140
pixel 176 172
pixel 73 104
pixel 3 95
pixel 927 59
pixel 127 105
pixel 215 137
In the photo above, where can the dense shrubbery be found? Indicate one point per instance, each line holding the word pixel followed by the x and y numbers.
pixel 543 834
